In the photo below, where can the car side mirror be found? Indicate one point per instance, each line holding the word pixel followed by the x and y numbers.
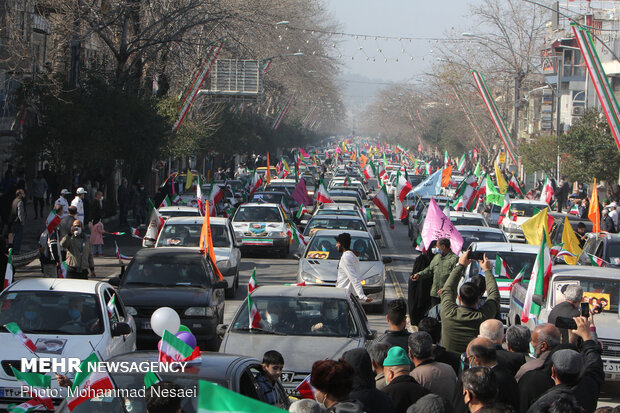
pixel 303 222
pixel 537 299
pixel 371 224
pixel 387 260
pixel 371 335
pixel 221 330
pixel 121 329
pixel 148 243
pixel 114 281
pixel 220 284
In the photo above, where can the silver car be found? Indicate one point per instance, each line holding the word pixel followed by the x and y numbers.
pixel 319 263
pixel 304 324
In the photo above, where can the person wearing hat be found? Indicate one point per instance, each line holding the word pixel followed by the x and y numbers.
pixel 403 389
pixel 78 202
pixel 575 374
pixel 613 213
pixel 349 275
pixel 63 200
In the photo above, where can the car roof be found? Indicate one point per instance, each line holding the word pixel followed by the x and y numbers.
pixel 294 291
pixel 477 228
pixel 195 220
pixel 333 205
pixel 337 216
pixel 175 208
pixel 506 247
pixel 282 181
pixel 586 271
pixel 352 232
pixel 214 365
pixel 465 214
pixel 187 252
pixel 56 284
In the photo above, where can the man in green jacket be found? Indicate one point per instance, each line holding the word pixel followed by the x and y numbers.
pixel 460 323
pixel 443 262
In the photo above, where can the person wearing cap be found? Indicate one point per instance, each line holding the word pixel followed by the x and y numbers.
pixel 578 374
pixel 63 200
pixel 349 275
pixel 613 213
pixel 79 253
pixel 78 202
pixel 403 389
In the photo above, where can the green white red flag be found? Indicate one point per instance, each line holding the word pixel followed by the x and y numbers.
pixel 151 378
pixel 175 350
pixel 213 398
pixel 382 201
pixel 110 307
pixel 322 195
pixel 156 222
pixel 461 164
pixel 596 261
pixel 52 221
pixel 505 211
pixel 166 202
pixel 135 233
pixel 301 211
pixel 215 196
pixel 539 281
pixel 403 187
pixel 29 406
pixel 254 315
pixel 546 194
pixel 64 267
pixel 9 272
pixel 88 382
pixel 17 332
pixel 514 184
pixel 252 285
pixel 500 267
pixel 119 255
pixel 255 183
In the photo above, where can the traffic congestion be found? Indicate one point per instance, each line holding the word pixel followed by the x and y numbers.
pixel 354 274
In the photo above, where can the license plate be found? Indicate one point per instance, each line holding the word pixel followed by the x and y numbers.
pixel 146 325
pixel 253 241
pixel 611 367
pixel 10 392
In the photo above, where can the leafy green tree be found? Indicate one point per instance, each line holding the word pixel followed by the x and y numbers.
pixel 590 150
pixel 540 154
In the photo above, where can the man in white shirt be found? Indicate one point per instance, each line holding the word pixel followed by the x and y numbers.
pixel 349 276
pixel 62 201
pixel 78 202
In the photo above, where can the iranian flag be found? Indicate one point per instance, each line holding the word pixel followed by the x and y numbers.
pixel 305 389
pixel 501 269
pixel 555 250
pixel 322 195
pixel 505 211
pixel 461 164
pixel 596 261
pixel 369 171
pixel 574 210
pixel 135 233
pixel 110 309
pixel 252 285
pixel 382 171
pixel 8 273
pixel 36 380
pixel 539 281
pixel 151 378
pixel 467 191
pixel 199 199
pixel 174 350
pixel 17 332
pixel 116 233
pixel 514 184
pixel 215 196
pixel 64 267
pixel 166 202
pixel 213 398
pixel 347 180
pixel 403 187
pixel 301 211
pixel 547 192
pixel 88 383
pixel 382 201
pixel 176 199
pixel 446 158
pixel 254 315
pixel 52 221
pixel 294 235
pixel 119 255
pixel 156 222
pixel 518 278
pixel 255 183
pixel 29 406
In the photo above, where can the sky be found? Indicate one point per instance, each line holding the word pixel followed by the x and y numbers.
pixel 399 18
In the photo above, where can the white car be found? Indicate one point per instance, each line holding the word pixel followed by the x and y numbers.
pixel 524 209
pixel 467 218
pixel 185 232
pixel 261 227
pixel 179 211
pixel 63 318
pixel 473 233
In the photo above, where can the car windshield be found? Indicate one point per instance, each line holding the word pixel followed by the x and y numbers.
pixel 167 271
pixel 257 214
pixel 310 181
pixel 515 262
pixel 601 291
pixel 52 312
pixel 475 221
pixel 613 252
pixel 347 212
pixel 188 235
pixel 269 197
pixel 526 210
pixel 181 213
pixel 300 316
pixel 327 243
pixel 335 223
pixel 480 236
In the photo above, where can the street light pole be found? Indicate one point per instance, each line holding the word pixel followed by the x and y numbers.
pixel 558 97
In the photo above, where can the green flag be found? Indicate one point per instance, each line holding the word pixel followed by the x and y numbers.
pixel 33 379
pixel 493 195
pixel 151 378
pixel 478 170
pixel 213 399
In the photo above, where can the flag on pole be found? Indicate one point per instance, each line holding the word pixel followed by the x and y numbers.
pixel 110 307
pixel 135 233
pixel 446 158
pixel 594 214
pixel 28 406
pixel 255 183
pixel 36 380
pixel 403 186
pixel 501 181
pixel 382 201
pixel 175 350
pixel 541 272
pixel 305 389
pixel 546 194
pixel 156 222
pixel 438 225
pixel 9 272
pixel 52 221
pixel 478 170
pixel 294 235
pixel 301 211
pixel 151 378
pixel 200 199
pixel 518 278
pixel 119 255
pixel 322 195
pixel 492 194
pixel 213 398
pixel 571 243
pixel 166 202
pixel 461 164
pixel 64 267
pixel 431 186
pixel 446 174
pixel 536 226
pixel 254 315
pixel 501 270
pixel 252 285
pixel 368 171
pixel 17 332
pixel 205 244
pixel 505 211
pixel 514 184
pixel 596 261
pixel 574 210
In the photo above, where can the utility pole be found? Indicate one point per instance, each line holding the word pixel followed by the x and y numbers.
pixel 558 105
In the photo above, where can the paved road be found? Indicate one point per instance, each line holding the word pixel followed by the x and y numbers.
pixel 271 270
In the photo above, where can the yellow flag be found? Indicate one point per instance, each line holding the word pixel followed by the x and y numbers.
pixel 501 182
pixel 531 228
pixel 189 180
pixel 571 243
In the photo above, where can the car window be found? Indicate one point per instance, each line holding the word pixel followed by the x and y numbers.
pixel 171 214
pixel 267 197
pixel 588 248
pixel 168 271
pixel 526 210
pixel 348 212
pixel 300 316
pixel 613 252
pixel 257 214
pixel 179 235
pixel 325 243
pixel 52 312
pixel 335 223
pixel 480 236
pixel 478 222
pixel 118 313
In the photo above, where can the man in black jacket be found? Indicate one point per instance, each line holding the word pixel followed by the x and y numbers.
pixel 579 375
pixel 493 329
pixel 573 295
pixel 402 388
pixel 397 335
pixel 433 327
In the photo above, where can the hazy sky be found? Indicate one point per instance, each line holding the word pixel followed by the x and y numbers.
pixel 400 18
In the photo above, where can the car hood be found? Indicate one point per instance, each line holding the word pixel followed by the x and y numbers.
pixel 299 351
pixel 327 270
pixel 165 297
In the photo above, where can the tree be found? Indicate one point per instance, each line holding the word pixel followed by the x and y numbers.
pixel 540 155
pixel 590 151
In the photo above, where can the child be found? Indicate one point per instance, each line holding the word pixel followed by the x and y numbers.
pixel 273 363
pixel 96 237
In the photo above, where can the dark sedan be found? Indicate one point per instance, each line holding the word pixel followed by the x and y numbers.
pixel 236 373
pixel 175 277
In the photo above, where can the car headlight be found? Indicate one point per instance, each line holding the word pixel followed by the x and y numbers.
pixel 131 310
pixel 223 264
pixel 375 279
pixel 200 311
pixel 306 276
pixel 277 234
